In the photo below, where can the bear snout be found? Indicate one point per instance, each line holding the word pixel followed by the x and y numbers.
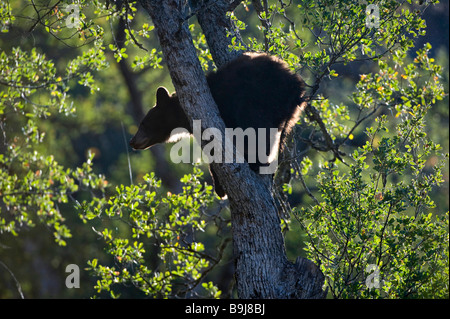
pixel 140 141
pixel 132 142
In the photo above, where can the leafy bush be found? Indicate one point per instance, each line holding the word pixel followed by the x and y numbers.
pixel 376 212
pixel 162 225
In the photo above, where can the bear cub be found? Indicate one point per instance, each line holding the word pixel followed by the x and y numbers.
pixel 255 90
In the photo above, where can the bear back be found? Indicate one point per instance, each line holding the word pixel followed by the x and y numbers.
pixel 257 90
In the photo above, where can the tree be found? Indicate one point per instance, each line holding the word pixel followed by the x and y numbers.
pixel 262 268
pixel 371 207
pixel 264 252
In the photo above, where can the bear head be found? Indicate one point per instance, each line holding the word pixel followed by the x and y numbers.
pixel 160 121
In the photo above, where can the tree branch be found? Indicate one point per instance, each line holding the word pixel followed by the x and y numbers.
pixel 216 26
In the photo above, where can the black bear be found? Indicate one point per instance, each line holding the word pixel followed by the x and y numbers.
pixel 255 90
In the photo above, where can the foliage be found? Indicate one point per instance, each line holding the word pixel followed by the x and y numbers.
pixel 368 214
pixel 33 183
pixel 167 226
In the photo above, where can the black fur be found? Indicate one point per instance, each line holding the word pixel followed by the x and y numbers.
pixel 253 91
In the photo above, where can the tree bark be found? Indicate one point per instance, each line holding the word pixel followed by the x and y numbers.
pixel 262 269
pixel 211 16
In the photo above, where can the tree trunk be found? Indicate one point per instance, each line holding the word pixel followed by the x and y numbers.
pixel 262 269
pixel 213 20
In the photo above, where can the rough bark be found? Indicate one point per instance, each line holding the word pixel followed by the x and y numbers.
pixel 262 269
pixel 211 16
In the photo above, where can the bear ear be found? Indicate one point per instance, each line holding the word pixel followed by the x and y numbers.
pixel 162 95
